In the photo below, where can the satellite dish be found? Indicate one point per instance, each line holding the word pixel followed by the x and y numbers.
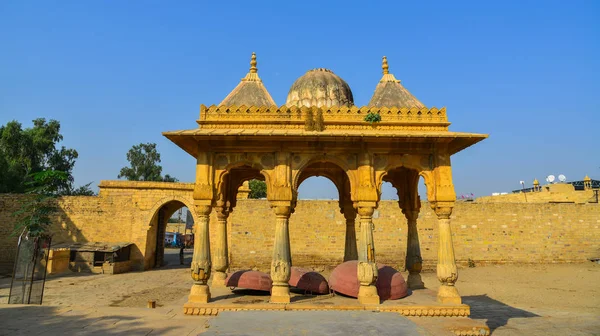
pixel 562 178
pixel 550 178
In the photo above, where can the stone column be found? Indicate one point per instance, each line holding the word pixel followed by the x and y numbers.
pixel 221 257
pixel 446 267
pixel 282 257
pixel 367 269
pixel 414 262
pixel 200 292
pixel 350 251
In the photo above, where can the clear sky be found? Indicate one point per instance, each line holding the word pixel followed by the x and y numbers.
pixel 117 73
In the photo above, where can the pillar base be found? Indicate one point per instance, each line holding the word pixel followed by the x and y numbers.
pixel 199 294
pixel 368 295
pixel 448 294
pixel 218 280
pixel 414 281
pixel 280 294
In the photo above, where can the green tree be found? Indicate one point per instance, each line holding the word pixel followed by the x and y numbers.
pixel 24 152
pixel 33 217
pixel 258 189
pixel 144 162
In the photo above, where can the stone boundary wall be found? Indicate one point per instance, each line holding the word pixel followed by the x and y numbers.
pixel 482 232
pixel 123 211
pixel 486 233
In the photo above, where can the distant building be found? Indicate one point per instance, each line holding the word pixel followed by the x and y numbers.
pixel 584 191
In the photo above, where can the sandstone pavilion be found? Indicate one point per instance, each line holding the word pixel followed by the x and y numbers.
pixel 320 132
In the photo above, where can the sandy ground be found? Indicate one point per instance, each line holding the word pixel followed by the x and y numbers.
pixel 500 294
pixel 167 286
pixel 571 287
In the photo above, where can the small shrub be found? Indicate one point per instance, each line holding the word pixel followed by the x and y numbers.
pixel 373 117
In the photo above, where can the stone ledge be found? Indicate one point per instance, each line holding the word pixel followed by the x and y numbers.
pixel 213 309
pixel 117 184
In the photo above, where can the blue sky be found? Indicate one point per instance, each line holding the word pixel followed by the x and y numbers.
pixel 118 73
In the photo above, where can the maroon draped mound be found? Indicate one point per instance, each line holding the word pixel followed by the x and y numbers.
pixel 308 280
pixel 344 280
pixel 390 283
pixel 249 280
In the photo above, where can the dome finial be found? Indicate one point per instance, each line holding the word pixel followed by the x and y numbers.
pixel 253 68
pixel 387 76
pixel 252 75
pixel 385 66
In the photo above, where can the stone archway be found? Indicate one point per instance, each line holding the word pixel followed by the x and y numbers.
pixel 155 236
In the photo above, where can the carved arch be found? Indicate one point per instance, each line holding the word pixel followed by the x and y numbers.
pixel 188 203
pixel 429 179
pixel 227 184
pixel 395 163
pixel 349 174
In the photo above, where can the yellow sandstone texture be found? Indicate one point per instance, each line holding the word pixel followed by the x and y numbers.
pixel 483 232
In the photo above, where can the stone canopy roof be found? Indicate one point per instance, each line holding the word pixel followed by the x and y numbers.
pixel 390 93
pixel 250 91
pixel 249 117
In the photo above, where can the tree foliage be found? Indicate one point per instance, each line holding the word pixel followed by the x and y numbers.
pixel 25 152
pixel 33 217
pixel 144 162
pixel 258 189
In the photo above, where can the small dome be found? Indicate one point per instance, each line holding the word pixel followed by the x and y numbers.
pixel 320 87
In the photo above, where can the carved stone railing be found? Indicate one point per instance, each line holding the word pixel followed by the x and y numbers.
pixel 319 119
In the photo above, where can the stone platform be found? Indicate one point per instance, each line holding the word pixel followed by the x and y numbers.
pixel 418 303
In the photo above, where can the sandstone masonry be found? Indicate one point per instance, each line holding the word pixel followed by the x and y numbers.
pixel 482 232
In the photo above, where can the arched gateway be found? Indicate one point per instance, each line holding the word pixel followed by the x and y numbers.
pixel 320 132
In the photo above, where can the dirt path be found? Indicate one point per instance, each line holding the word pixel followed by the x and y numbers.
pixel 569 287
pixel 511 299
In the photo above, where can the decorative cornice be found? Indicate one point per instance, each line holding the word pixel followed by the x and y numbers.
pixel 292 117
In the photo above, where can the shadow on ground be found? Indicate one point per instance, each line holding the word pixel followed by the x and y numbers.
pixel 38 320
pixel 493 311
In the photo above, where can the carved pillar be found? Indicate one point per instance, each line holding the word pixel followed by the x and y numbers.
pixel 446 266
pixel 350 251
pixel 221 255
pixel 367 269
pixel 200 292
pixel 282 257
pixel 414 262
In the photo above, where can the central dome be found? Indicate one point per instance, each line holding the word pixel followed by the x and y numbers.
pixel 321 88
